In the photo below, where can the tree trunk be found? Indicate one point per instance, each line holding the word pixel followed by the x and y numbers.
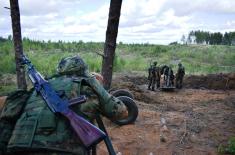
pixel 15 18
pixel 110 41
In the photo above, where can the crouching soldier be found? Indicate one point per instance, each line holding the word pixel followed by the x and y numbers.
pixel 154 76
pixel 27 126
pixel 179 76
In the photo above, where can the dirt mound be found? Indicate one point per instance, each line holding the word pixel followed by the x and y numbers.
pixel 210 81
pixel 190 121
pixel 196 121
pixel 183 122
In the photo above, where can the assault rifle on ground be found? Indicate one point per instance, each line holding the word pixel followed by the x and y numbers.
pixel 87 132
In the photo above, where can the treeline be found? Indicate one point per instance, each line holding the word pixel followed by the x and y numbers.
pixel 209 38
pixel 6 45
pixel 44 46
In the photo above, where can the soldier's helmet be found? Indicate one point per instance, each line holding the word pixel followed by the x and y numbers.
pixel 155 63
pixel 179 64
pixel 72 65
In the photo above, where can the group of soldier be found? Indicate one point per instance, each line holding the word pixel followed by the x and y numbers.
pixel 29 127
pixel 155 72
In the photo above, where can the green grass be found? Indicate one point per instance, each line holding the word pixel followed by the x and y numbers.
pixel 197 59
pixel 229 148
pixel 5 89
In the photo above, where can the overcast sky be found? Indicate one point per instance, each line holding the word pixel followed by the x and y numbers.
pixel 141 21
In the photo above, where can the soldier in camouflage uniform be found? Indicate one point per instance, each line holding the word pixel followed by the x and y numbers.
pixel 27 126
pixel 168 76
pixel 179 76
pixel 154 76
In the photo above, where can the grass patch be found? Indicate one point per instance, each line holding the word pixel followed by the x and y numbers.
pixel 229 148
pixel 197 59
pixel 6 89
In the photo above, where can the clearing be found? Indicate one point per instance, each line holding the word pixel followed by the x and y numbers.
pixel 183 122
pixel 191 121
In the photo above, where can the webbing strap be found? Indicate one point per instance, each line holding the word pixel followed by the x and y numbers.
pixel 107 139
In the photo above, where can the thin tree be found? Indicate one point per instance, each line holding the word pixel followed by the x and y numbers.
pixel 16 28
pixel 110 41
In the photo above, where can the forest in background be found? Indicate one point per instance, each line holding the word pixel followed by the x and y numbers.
pixel 209 38
pixel 197 59
pixel 129 58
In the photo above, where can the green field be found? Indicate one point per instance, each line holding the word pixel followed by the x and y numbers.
pixel 197 59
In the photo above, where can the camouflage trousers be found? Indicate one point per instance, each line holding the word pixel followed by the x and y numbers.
pixel 179 83
pixel 152 82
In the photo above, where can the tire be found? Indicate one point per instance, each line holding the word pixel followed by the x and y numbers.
pixel 132 111
pixel 122 92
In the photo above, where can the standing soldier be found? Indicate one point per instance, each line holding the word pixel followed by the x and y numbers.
pixel 168 76
pixel 158 75
pixel 171 75
pixel 164 72
pixel 154 76
pixel 179 76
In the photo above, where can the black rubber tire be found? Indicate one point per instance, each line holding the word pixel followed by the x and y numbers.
pixel 122 92
pixel 132 111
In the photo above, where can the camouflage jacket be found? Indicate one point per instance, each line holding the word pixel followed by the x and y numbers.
pixel 180 72
pixel 37 128
pixel 154 72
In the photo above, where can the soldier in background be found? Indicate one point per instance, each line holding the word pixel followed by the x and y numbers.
pixel 168 76
pixel 165 70
pixel 179 76
pixel 154 76
pixel 172 76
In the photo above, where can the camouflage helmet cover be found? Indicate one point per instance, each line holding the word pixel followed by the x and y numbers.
pixel 72 65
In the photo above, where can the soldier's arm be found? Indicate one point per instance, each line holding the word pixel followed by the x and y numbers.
pixel 111 106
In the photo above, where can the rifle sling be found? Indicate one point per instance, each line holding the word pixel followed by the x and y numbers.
pixel 107 139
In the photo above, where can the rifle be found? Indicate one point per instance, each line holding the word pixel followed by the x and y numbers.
pixel 87 132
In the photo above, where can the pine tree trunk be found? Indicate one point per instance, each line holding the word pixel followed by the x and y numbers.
pixel 110 41
pixel 15 17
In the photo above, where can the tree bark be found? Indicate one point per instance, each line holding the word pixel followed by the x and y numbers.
pixel 110 41
pixel 16 28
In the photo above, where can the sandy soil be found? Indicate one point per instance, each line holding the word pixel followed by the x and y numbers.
pixel 183 122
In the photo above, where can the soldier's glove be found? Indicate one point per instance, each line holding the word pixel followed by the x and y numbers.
pixel 114 108
pixel 121 111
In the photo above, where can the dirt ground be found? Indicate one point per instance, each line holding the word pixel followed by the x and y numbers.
pixel 183 122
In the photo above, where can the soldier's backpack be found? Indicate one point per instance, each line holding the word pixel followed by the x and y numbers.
pixel 11 111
